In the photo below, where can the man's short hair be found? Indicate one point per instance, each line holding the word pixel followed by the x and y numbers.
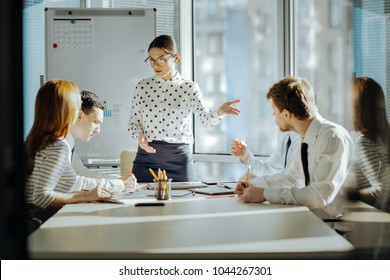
pixel 295 95
pixel 90 101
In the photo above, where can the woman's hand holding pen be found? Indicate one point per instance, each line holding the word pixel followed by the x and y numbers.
pixel 227 108
pixel 143 143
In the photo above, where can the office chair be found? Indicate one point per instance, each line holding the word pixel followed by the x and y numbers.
pixel 126 162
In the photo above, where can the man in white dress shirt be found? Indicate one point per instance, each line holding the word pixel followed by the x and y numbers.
pixel 272 169
pixel 324 156
pixel 88 125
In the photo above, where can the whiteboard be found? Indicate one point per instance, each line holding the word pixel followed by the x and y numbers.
pixel 103 51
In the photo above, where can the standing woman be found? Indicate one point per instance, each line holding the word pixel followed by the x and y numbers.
pixel 50 174
pixel 161 115
pixel 372 166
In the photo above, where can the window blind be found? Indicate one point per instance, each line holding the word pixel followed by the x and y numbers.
pixel 371 41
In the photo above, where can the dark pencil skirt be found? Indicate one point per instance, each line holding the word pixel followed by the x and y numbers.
pixel 175 159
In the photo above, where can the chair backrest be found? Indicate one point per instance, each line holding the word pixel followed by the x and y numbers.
pixel 126 162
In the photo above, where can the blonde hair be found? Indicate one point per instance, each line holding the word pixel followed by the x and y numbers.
pixel 55 104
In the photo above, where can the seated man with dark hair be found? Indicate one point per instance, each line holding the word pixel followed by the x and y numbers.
pixel 88 125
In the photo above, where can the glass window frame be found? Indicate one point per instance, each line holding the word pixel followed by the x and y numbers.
pixel 287 49
pixel 230 167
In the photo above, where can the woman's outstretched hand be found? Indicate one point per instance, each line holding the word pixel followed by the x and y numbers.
pixel 227 108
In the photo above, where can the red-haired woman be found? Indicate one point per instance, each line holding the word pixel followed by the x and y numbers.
pixel 49 173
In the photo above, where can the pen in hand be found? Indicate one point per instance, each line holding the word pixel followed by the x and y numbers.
pixel 247 176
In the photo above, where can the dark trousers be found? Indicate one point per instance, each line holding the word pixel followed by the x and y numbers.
pixel 175 159
pixel 36 216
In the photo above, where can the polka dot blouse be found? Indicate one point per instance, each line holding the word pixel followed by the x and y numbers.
pixel 162 110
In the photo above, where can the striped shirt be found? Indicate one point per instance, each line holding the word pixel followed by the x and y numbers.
pixel 52 173
pixel 372 170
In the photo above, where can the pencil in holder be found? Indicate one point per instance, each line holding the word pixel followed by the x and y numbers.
pixel 163 189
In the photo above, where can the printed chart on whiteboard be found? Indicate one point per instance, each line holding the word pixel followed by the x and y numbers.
pixel 114 116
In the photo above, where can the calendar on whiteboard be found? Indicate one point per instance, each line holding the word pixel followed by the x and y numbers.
pixel 72 34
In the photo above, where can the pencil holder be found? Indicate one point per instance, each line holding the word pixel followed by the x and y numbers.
pixel 163 189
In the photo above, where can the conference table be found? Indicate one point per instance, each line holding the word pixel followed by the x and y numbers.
pixel 188 227
pixel 367 228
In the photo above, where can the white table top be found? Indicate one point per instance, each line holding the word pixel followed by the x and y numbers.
pixel 193 227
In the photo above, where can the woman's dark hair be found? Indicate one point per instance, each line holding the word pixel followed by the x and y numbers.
pixel 369 109
pixel 165 42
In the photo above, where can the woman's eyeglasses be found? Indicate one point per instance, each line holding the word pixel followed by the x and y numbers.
pixel 161 61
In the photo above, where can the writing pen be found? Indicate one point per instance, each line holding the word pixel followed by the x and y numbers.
pixel 150 204
pixel 247 176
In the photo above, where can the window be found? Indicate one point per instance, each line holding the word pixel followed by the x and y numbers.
pixel 328 55
pixel 238 55
pixel 371 40
pixel 324 55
